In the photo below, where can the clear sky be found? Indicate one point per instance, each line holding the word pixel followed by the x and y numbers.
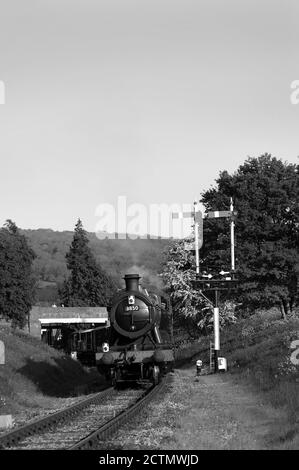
pixel 147 99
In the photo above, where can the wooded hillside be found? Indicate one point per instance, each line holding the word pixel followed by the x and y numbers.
pixel 116 257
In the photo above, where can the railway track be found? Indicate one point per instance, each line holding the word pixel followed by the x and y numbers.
pixel 83 425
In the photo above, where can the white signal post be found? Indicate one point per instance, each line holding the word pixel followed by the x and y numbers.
pixel 2 353
pixel 197 215
pixel 222 214
pixel 232 236
pixel 196 228
pixel 216 331
pixel 216 326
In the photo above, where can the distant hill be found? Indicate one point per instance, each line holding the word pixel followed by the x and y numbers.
pixel 116 257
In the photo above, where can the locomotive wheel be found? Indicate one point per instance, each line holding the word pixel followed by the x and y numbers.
pixel 156 375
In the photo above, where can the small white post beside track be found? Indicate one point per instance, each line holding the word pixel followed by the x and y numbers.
pixel 5 420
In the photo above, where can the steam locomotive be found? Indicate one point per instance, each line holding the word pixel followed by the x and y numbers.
pixel 140 343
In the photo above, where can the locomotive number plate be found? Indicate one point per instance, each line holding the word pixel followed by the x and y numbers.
pixel 130 308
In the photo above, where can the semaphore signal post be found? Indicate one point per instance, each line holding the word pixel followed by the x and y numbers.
pixel 210 283
pixel 224 280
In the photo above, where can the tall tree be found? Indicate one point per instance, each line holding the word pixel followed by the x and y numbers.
pixel 88 284
pixel 191 309
pixel 16 279
pixel 266 195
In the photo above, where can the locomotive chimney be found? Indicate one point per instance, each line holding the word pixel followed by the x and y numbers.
pixel 132 281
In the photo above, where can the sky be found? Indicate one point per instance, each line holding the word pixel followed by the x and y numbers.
pixel 143 99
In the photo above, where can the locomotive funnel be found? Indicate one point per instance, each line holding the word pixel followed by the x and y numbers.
pixel 132 281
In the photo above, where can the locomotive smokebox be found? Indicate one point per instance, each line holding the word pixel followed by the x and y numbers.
pixel 132 282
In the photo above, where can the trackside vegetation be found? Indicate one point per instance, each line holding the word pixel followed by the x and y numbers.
pixel 35 376
pixel 259 352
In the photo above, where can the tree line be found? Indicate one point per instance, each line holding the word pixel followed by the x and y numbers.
pixel 87 284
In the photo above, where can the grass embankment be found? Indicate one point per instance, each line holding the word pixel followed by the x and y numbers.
pixel 259 353
pixel 258 350
pixel 36 376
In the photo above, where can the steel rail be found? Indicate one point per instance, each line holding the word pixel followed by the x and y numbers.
pixel 12 438
pixel 108 429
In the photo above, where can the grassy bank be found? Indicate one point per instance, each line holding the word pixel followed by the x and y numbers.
pixel 36 376
pixel 258 350
pixel 259 353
